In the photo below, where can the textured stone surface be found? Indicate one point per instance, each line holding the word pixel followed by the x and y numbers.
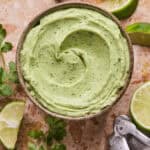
pixel 82 135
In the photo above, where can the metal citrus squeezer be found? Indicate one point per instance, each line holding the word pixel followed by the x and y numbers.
pixel 127 137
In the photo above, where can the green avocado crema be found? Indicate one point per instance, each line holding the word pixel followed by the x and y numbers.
pixel 75 62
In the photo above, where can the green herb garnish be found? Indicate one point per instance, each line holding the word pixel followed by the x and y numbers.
pixel 51 138
pixel 6 47
pixel 35 134
pixel 41 147
pixel 57 127
pixel 32 146
pixel 5 90
pixel 7 76
pixel 58 147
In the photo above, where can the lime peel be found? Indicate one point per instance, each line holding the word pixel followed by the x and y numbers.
pixel 10 119
pixel 140 107
pixel 139 33
pixel 120 8
pixel 139 27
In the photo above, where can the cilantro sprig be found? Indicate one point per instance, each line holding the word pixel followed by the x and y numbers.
pixel 51 139
pixel 35 134
pixel 58 147
pixel 8 76
pixel 32 146
pixel 57 129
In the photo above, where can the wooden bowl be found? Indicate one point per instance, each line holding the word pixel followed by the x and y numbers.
pixel 36 20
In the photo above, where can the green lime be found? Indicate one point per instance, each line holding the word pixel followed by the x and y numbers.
pixel 139 33
pixel 120 8
pixel 140 107
pixel 10 119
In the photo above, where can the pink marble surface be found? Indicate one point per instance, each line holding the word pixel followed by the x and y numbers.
pixel 82 135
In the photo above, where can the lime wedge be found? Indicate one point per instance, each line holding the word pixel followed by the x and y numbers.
pixel 10 119
pixel 139 33
pixel 120 8
pixel 140 107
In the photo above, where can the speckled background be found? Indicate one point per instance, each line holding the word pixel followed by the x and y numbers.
pixel 82 135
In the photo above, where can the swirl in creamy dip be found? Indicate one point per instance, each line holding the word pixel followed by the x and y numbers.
pixel 75 61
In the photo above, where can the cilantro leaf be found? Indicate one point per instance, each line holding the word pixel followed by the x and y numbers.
pixel 6 77
pixel 55 122
pixel 58 147
pixel 13 77
pixel 55 133
pixel 2 33
pixel 41 147
pixel 12 66
pixel 6 46
pixel 35 134
pixel 5 90
pixel 59 133
pixel 31 146
pixel 51 121
pixel 1 75
pixel 49 138
pixel 57 127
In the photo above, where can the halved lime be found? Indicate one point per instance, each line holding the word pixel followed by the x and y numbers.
pixel 10 119
pixel 140 107
pixel 139 33
pixel 120 8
